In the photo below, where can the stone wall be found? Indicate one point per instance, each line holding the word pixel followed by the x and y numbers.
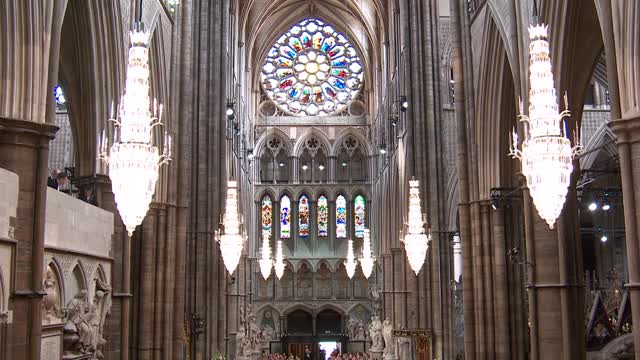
pixel 77 226
pixel 8 201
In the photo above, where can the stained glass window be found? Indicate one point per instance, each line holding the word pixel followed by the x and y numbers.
pixel 267 215
pixel 323 216
pixel 285 217
pixel 312 70
pixel 303 216
pixel 358 214
pixel 341 217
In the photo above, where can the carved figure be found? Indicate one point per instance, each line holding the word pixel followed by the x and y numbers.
pixel 375 333
pixel 51 311
pixel 387 329
pixel 404 344
pixel 79 315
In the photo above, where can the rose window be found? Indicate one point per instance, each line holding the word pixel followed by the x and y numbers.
pixel 312 70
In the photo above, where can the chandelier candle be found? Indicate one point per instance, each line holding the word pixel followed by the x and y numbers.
pixel 546 153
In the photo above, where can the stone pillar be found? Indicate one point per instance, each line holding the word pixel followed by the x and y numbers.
pixel 627 131
pixel 24 150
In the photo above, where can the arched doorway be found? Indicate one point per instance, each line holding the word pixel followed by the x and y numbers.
pixel 307 331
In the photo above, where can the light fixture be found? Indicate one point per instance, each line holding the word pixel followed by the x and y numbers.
pixel 593 206
pixel 604 238
pixel 416 242
pixel 350 264
pixel 265 261
pixel 367 259
pixel 321 167
pixel 134 158
pixel 279 264
pixel 230 110
pixel 250 154
pixel 383 149
pixel 344 164
pixel 404 103
pixel 281 164
pixel 305 167
pixel 546 153
pixel 231 241
pixel 606 205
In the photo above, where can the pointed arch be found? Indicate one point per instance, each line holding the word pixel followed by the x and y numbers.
pixel 350 131
pixel 304 215
pixel 273 132
pixel 341 217
pixel 312 132
pixel 285 216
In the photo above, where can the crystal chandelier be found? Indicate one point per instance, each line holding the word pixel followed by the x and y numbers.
pixel 231 241
pixel 546 153
pixel 279 264
pixel 265 259
pixel 351 263
pixel 367 259
pixel 133 158
pixel 416 242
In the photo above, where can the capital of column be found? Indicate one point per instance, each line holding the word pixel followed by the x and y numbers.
pixel 29 133
pixel 627 128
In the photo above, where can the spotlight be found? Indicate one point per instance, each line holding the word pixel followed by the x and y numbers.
pixel 604 238
pixel 231 113
pixel 305 167
pixel 495 203
pixel 394 121
pixel 321 167
pixel 404 103
pixel 344 164
pixel 606 205
pixel 281 164
pixel 250 154
pixel 593 206
pixel 383 149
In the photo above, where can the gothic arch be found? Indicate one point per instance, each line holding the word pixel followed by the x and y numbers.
pixel 306 135
pixel 266 191
pixel 305 262
pixel 602 136
pixel 494 119
pixel 296 307
pixel 261 143
pixel 329 306
pixel 279 17
pixel 341 136
pixel 304 191
pixel 326 262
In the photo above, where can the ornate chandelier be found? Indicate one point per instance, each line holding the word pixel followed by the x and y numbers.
pixel 546 153
pixel 351 263
pixel 265 261
pixel 133 158
pixel 367 259
pixel 231 241
pixel 279 264
pixel 416 242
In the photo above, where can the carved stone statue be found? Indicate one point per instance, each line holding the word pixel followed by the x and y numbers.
pixel 387 333
pixel 375 333
pixel 51 311
pixel 79 317
pixel 375 299
pixel 352 328
pixel 85 322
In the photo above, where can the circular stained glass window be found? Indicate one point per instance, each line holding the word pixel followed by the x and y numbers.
pixel 312 70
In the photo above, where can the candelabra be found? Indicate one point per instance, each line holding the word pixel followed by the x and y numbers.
pixel 265 261
pixel 351 263
pixel 133 158
pixel 546 153
pixel 279 264
pixel 231 240
pixel 416 242
pixel 367 259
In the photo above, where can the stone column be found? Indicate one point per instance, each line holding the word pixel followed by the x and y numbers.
pixel 627 131
pixel 24 150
